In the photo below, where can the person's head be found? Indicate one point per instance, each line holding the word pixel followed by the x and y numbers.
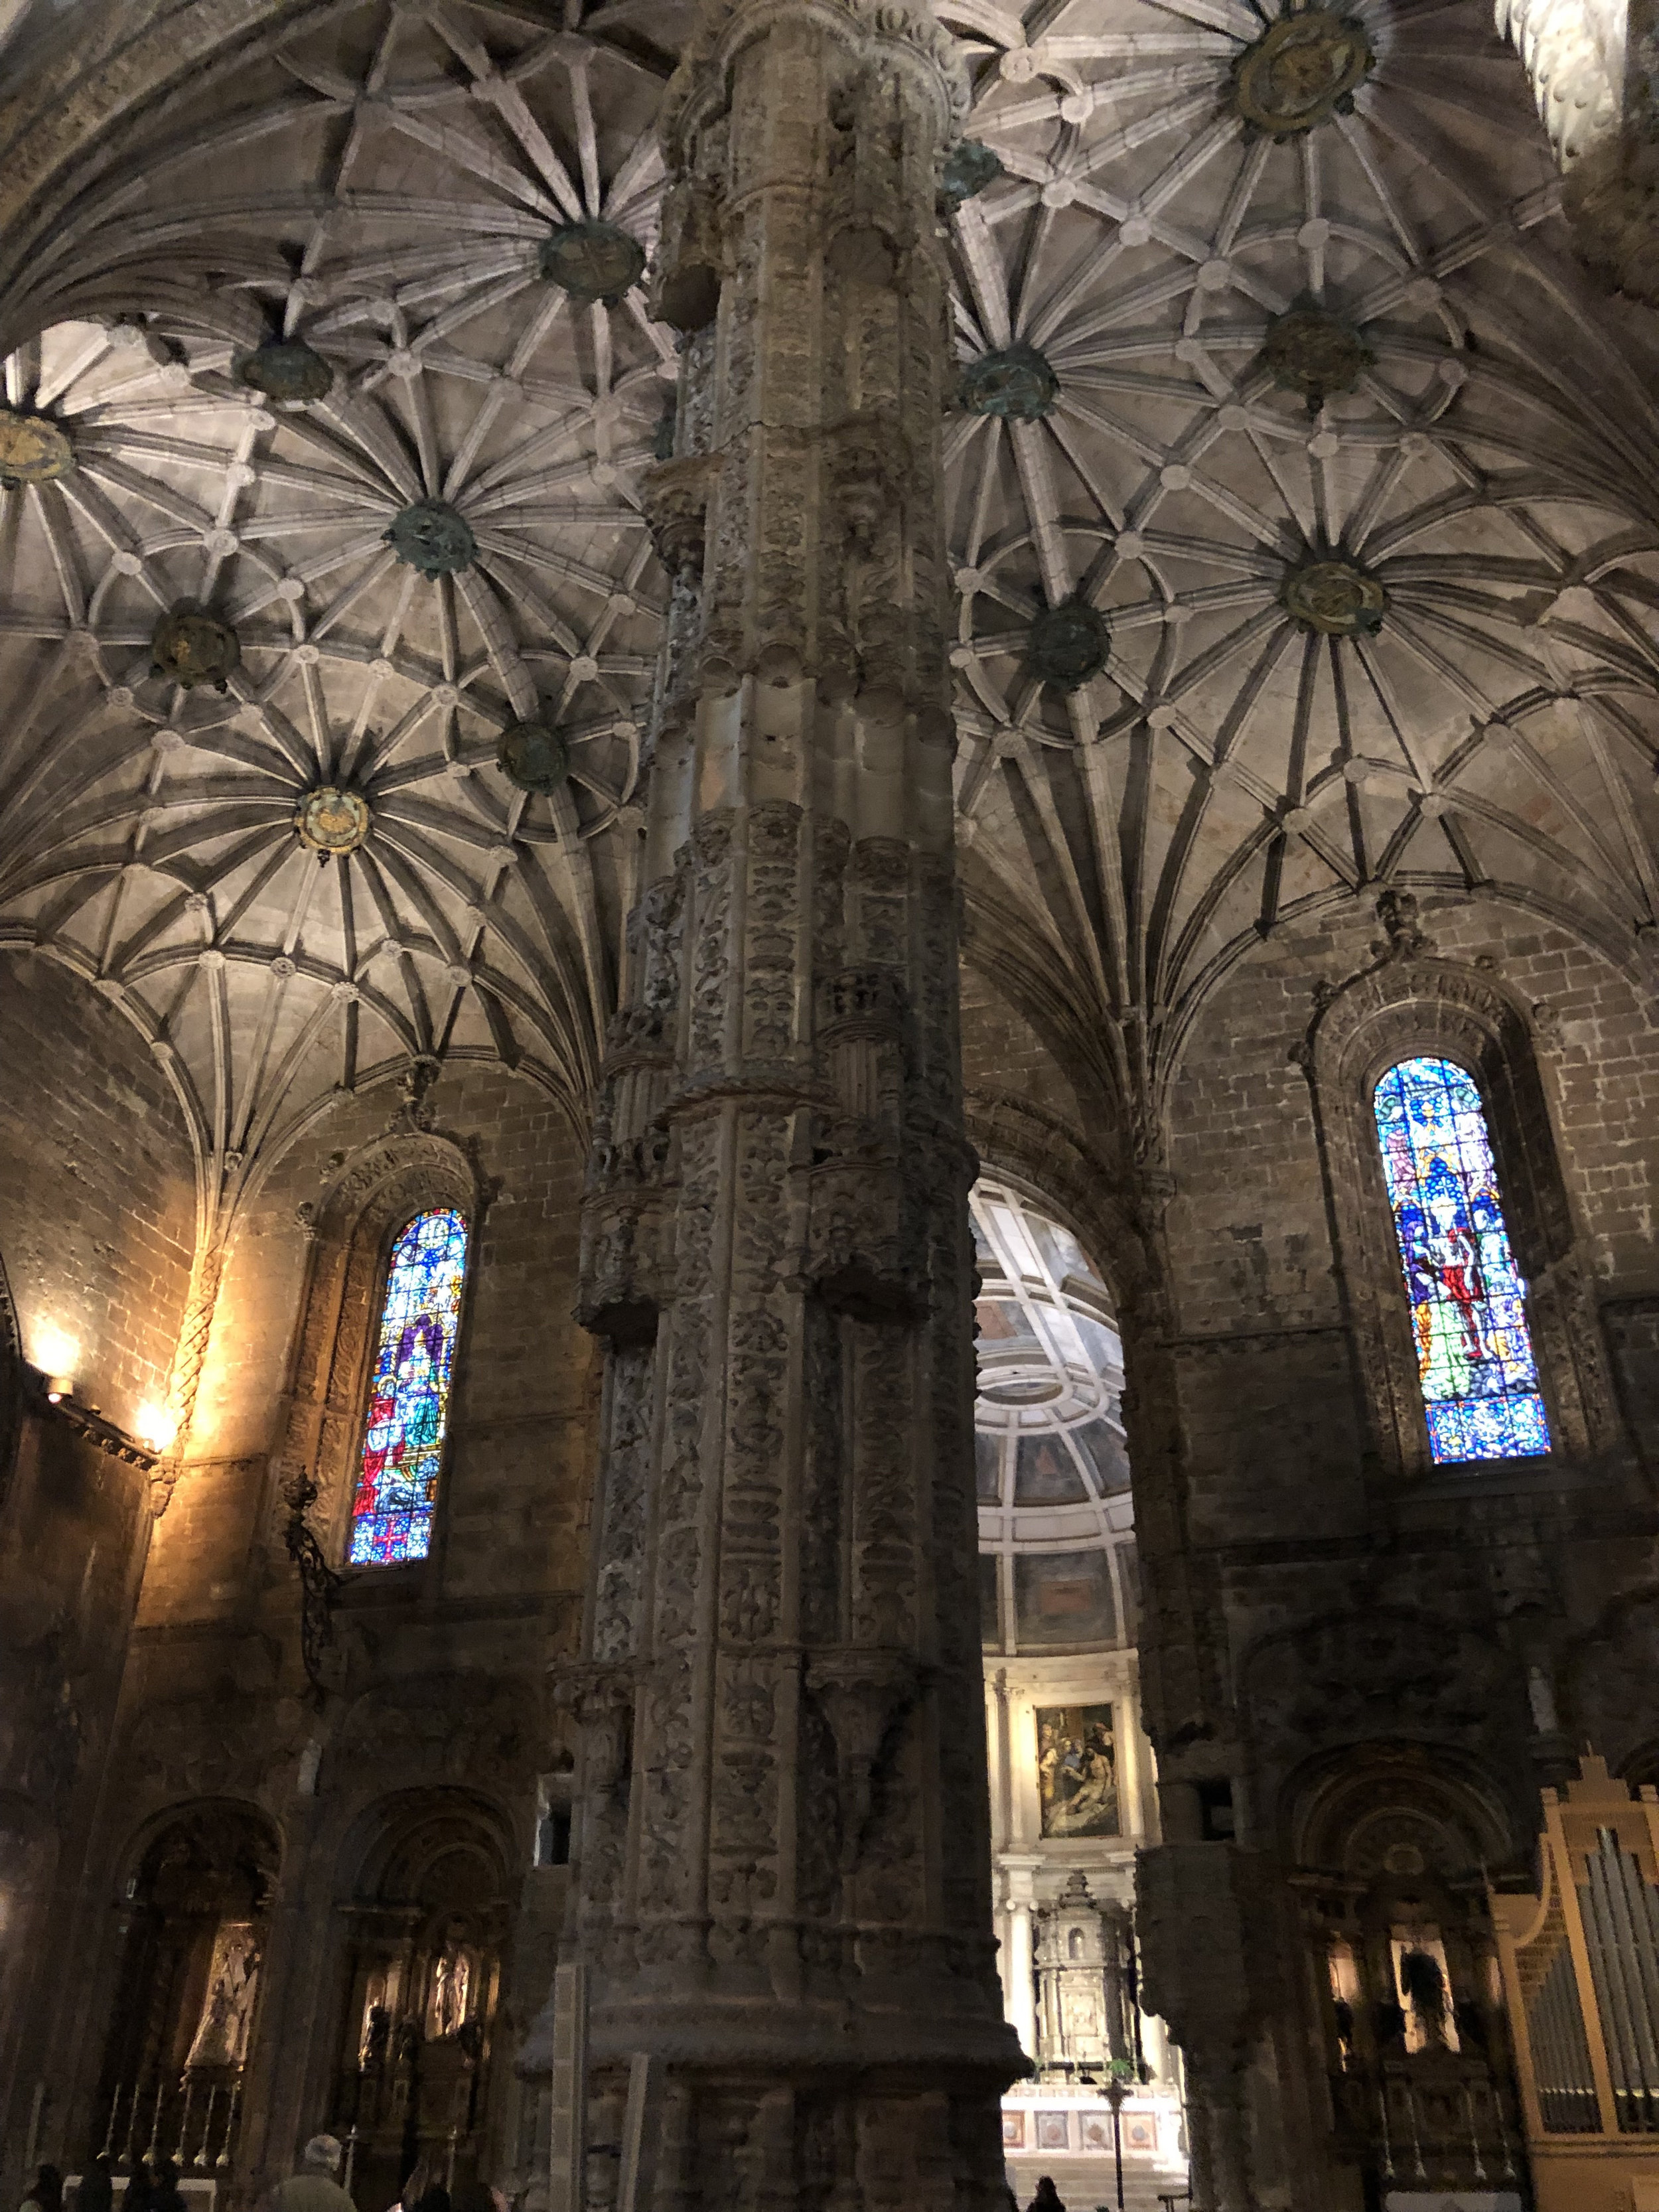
pixel 49 2185
pixel 322 2154
pixel 168 2174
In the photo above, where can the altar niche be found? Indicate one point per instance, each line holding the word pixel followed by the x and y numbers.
pixel 176 2049
pixel 1403 1956
pixel 425 1922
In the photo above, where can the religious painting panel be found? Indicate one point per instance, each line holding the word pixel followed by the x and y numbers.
pixel 1077 1771
pixel 1051 2131
pixel 1013 2130
pixel 1064 1599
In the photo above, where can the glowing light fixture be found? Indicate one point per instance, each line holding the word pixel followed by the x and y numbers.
pixel 155 1428
pixel 56 1354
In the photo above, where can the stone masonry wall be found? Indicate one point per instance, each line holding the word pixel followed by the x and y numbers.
pixel 97 1188
pixel 516 1467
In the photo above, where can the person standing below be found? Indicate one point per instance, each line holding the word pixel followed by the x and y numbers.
pixel 313 2188
pixel 47 2194
pixel 97 2189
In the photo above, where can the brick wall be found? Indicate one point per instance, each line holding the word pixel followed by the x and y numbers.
pixel 97 1187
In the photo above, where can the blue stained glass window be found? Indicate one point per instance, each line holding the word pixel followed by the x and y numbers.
pixel 1474 1352
pixel 408 1400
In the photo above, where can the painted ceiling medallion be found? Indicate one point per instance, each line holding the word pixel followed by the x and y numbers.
pixel 1068 644
pixel 287 371
pixel 592 261
pixel 1301 70
pixel 533 757
pixel 330 820
pixel 433 537
pixel 1315 353
pixel 189 648
pixel 1016 383
pixel 1335 598
pixel 34 449
pixel 968 168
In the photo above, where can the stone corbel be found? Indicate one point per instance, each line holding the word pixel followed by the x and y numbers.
pixel 626 1264
pixel 857 1250
pixel 677 495
pixel 685 293
pixel 600 1701
pixel 862 1693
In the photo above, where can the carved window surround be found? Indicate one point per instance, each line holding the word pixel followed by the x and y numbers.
pixel 350 1232
pixel 1397 1009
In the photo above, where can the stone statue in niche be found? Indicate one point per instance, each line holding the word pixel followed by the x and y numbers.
pixel 1420 1973
pixel 452 1987
pixel 221 2033
pixel 1077 1771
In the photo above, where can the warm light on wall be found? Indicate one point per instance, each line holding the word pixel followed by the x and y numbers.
pixel 56 1354
pixel 155 1428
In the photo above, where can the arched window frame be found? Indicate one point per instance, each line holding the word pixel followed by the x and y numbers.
pixel 351 1233
pixel 376 1334
pixel 1435 1009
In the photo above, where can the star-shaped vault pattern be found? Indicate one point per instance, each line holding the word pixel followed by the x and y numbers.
pixel 1237 643
pixel 416 165
pixel 1487 478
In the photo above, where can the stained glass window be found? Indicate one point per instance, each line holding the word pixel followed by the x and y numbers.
pixel 1474 1352
pixel 409 1399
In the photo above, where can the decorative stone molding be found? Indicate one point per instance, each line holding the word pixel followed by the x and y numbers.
pixel 370 1197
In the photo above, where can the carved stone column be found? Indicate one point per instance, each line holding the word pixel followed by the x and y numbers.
pixel 1192 1913
pixel 781 1885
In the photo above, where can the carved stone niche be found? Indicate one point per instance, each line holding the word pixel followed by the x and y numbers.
pixel 374 1193
pixel 1393 1848
pixel 1407 1005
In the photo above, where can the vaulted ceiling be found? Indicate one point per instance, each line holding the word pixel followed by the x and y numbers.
pixel 379 183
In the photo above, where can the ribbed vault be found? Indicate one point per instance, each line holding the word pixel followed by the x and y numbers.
pixel 1393 627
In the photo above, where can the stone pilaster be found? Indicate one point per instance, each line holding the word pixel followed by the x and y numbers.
pixel 782 1886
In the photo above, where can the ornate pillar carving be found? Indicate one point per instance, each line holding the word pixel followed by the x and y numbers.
pixel 781 1878
pixel 1191 1910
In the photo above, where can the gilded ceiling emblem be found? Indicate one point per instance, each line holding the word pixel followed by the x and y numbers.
pixel 34 449
pixel 287 371
pixel 592 261
pixel 330 820
pixel 969 168
pixel 1314 352
pixel 1016 383
pixel 189 648
pixel 533 757
pixel 433 537
pixel 1068 644
pixel 1335 598
pixel 1301 70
